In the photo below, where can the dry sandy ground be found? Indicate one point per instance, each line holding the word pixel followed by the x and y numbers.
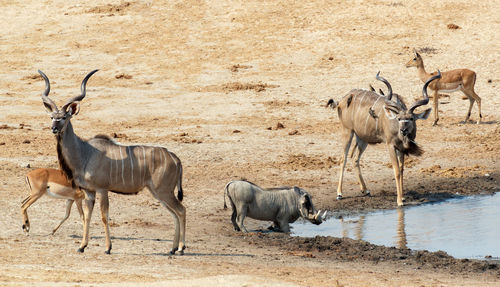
pixel 211 81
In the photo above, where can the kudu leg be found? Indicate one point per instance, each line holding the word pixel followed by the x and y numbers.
pixel 397 174
pixel 104 205
pixel 69 203
pixel 401 163
pixel 347 139
pixel 88 207
pixel 361 146
pixel 178 211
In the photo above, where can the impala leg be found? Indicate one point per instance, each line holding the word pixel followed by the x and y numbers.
pixel 347 139
pixel 473 97
pixel 27 202
pixel 436 104
pixel 104 205
pixel 88 207
pixel 69 203
pixel 79 207
pixel 397 174
pixel 361 145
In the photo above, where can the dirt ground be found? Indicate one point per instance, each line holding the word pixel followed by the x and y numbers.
pixel 237 90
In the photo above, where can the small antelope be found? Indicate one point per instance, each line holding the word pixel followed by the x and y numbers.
pixel 99 165
pixel 450 81
pixel 373 119
pixel 51 182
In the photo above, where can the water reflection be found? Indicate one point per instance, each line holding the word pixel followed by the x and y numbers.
pixel 357 225
pixel 401 229
pixel 464 227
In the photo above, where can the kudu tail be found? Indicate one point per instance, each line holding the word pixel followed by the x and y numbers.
pixel 332 103
pixel 178 163
pixel 180 194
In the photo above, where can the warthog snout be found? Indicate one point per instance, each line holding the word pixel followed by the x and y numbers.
pixel 317 218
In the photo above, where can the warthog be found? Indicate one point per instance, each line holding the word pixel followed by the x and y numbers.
pixel 281 205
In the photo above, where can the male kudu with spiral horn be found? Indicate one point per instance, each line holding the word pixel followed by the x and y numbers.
pixel 101 165
pixel 374 119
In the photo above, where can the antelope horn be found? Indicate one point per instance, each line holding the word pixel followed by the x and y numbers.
pixel 83 90
pixel 45 95
pixel 389 96
pixel 425 101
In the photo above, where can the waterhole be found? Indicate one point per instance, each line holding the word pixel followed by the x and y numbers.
pixel 467 227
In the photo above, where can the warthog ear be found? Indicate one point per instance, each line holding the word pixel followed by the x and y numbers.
pixel 423 115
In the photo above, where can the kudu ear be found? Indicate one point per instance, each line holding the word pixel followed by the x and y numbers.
pixel 74 108
pixel 423 115
pixel 48 108
pixel 391 112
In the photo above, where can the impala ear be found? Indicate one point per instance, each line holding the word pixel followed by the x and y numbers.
pixel 391 112
pixel 423 115
pixel 74 108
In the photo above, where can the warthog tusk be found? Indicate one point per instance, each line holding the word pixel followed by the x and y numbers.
pixel 323 216
pixel 317 215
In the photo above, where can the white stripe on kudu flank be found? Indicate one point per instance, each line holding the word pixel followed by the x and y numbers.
pixel 153 160
pixel 163 161
pixel 111 166
pixel 373 108
pixel 123 167
pixel 172 158
pixel 360 103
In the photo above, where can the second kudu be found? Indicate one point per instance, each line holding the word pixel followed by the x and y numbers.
pixel 99 165
pixel 372 118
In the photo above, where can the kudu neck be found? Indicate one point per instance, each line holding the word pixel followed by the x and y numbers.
pixel 71 146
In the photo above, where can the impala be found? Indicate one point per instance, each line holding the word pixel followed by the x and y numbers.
pixel 373 119
pixel 99 165
pixel 450 81
pixel 51 182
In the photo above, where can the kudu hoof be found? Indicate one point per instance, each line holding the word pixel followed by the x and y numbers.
pixel 81 249
pixel 367 193
pixel 181 252
pixel 108 251
pixel 339 197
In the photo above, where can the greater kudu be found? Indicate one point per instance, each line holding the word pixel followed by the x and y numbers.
pixel 374 119
pixel 101 165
